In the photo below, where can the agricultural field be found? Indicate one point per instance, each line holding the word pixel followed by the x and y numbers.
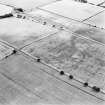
pixel 75 55
pixel 52 52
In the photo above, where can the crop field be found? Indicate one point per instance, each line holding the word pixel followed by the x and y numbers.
pixel 52 52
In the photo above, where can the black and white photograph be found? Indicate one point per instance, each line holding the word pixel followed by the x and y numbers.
pixel 52 52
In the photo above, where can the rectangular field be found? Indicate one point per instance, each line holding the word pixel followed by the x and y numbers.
pixel 24 33
pixel 45 82
pixel 79 56
pixel 71 9
pixel 98 20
